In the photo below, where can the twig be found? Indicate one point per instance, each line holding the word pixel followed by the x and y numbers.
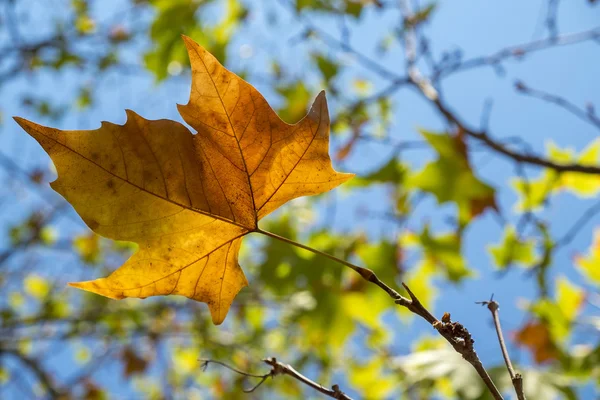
pixel 278 368
pixel 366 61
pixel 426 89
pixel 286 369
pixel 500 148
pixel 552 18
pixel 45 380
pixel 578 224
pixel 517 379
pixel 520 51
pixel 454 333
pixel 584 115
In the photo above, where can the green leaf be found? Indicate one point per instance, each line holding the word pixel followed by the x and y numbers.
pixel 296 97
pixel 88 247
pixel 350 7
pixel 560 314
pixel 450 178
pixel 366 310
pixel 589 265
pixel 533 193
pixel 4 376
pixel 36 286
pixel 512 249
pixel 354 8
pixel 444 251
pixel 84 98
pixel 328 68
pixel 420 16
pixel 285 266
pixel 178 17
pixel 392 172
pixel 371 379
pixel 382 258
pixel 569 298
pixel 362 87
pixel 580 184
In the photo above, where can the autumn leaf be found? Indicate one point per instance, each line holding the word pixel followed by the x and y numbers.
pixel 133 363
pixel 188 199
pixel 535 336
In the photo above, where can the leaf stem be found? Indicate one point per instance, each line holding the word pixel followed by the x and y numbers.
pixel 454 333
pixel 366 273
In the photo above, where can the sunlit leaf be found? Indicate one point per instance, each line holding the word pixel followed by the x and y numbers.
pixel 88 247
pixel 296 97
pixel 186 199
pixel 444 251
pixel 512 249
pixel 36 286
pixel 328 68
pixel 392 172
pixel 589 265
pixel 4 376
pixel 450 178
pixel 371 379
pixel 583 185
pixel 569 298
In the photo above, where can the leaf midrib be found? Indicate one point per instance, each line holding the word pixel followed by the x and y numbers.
pixel 224 219
pixel 233 131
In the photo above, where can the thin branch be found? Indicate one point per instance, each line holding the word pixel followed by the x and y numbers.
pixel 499 147
pixel 454 333
pixel 286 369
pixel 552 18
pixel 278 368
pixel 585 115
pixel 578 225
pixel 45 380
pixel 517 379
pixel 520 51
pixel 366 61
pixel 205 363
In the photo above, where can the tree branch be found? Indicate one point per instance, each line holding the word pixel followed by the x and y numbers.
pixel 278 368
pixel 517 379
pixel 520 50
pixel 454 333
pixel 499 147
pixel 587 116
pixel 45 380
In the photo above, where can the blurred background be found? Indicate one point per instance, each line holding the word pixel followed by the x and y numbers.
pixel 456 117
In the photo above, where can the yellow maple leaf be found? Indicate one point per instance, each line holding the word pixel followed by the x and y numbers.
pixel 188 199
